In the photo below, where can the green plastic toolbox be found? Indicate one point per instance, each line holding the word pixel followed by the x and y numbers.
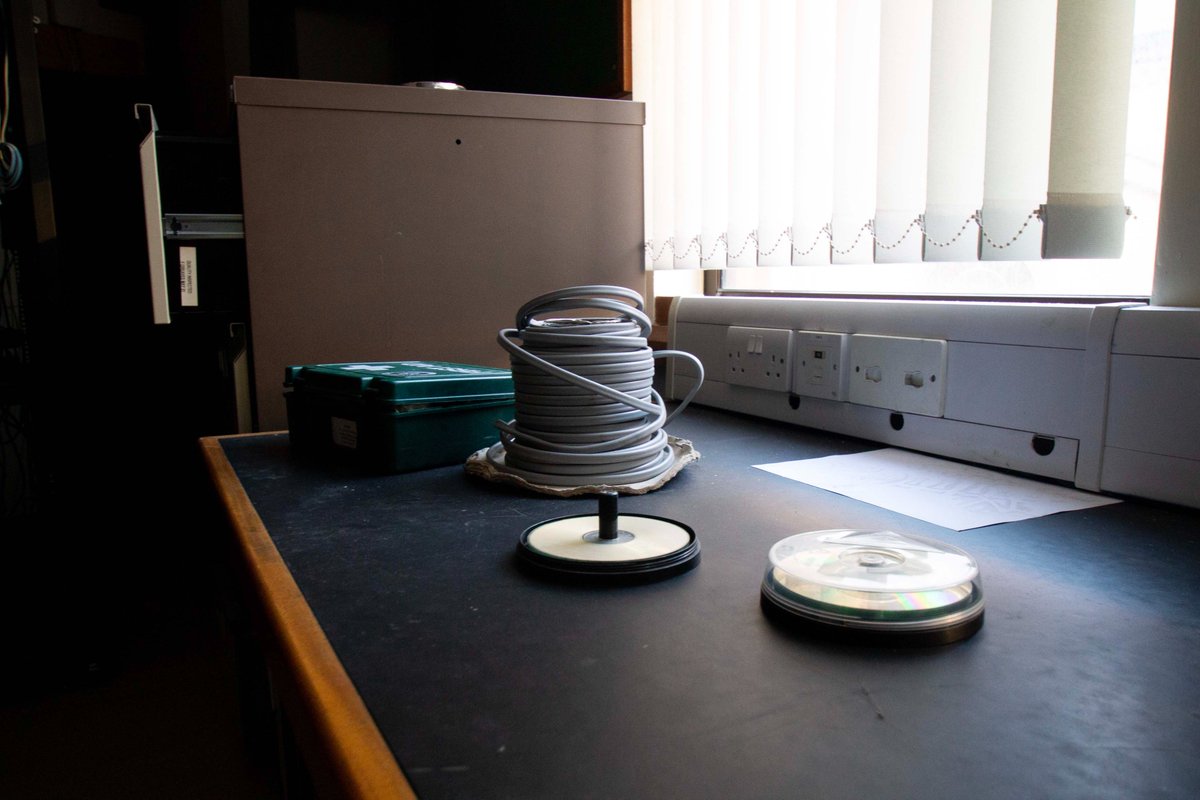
pixel 396 416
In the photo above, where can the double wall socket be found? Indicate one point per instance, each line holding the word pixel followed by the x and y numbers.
pixel 758 357
pixel 898 373
pixel 819 361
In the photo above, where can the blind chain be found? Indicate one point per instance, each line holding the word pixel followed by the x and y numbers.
pixel 826 232
pixel 752 235
pixel 966 224
pixel 916 223
pixel 723 239
pixel 649 247
pixel 694 242
pixel 868 226
pixel 1035 214
pixel 785 232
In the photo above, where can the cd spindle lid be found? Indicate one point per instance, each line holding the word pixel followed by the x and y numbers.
pixel 872 561
pixel 875 583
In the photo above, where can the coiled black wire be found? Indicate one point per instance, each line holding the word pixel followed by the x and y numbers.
pixel 586 410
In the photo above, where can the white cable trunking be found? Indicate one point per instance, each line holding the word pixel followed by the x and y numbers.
pixel 1101 396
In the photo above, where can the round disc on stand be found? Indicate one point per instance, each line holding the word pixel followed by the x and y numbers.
pixel 609 546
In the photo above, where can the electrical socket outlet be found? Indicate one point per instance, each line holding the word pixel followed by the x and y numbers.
pixel 758 357
pixel 898 373
pixel 819 364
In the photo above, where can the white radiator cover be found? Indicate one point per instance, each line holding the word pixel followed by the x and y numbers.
pixel 1114 387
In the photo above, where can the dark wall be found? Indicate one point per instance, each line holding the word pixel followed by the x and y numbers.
pixel 535 46
pixel 117 403
pixel 193 48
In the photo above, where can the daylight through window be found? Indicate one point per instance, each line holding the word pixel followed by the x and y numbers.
pixel 962 147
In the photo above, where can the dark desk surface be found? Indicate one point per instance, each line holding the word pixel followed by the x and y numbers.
pixel 1084 681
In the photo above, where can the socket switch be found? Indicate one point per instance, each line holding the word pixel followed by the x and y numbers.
pixel 898 373
pixel 758 357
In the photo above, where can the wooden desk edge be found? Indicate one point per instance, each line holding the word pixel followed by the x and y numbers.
pixel 365 763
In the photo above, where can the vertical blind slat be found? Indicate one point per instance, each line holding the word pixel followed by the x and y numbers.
pixel 715 132
pixel 688 151
pixel 661 207
pixel 1085 211
pixel 905 30
pixel 856 120
pixel 744 75
pixel 776 136
pixel 960 44
pixel 816 36
pixel 1020 81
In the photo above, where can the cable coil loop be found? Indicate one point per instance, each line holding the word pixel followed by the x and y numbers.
pixel 586 410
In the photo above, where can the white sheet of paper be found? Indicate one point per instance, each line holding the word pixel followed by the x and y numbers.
pixel 946 493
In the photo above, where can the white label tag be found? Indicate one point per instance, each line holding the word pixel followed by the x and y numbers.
pixel 188 292
pixel 345 432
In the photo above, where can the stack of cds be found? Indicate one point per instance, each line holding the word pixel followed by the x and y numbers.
pixel 875 585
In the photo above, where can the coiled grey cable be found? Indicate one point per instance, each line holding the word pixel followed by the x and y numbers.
pixel 586 410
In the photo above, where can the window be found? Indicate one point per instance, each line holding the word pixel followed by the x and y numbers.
pixel 766 176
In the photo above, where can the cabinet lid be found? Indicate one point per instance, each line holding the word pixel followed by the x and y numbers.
pixel 403 381
pixel 298 94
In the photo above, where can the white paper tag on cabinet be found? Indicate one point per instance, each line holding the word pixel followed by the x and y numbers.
pixel 189 294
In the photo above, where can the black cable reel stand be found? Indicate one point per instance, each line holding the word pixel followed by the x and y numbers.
pixel 588 421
